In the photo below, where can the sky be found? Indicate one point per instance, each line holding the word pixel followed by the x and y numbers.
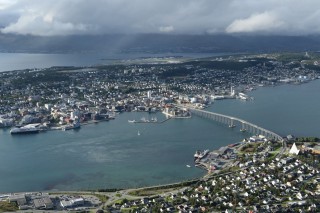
pixel 79 17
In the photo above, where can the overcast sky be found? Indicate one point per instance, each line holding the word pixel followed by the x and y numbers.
pixel 65 17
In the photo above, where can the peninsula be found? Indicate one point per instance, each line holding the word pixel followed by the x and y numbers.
pixel 63 97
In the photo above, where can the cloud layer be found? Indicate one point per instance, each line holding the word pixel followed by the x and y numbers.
pixel 65 17
pixel 256 23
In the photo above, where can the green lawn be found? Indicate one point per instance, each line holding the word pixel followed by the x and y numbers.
pixel 8 207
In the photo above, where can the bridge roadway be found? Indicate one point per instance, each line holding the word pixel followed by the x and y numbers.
pixel 233 121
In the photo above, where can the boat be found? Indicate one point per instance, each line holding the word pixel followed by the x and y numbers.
pixel 200 155
pixel 243 96
pixel 233 145
pixel 132 121
pixel 204 153
pixel 154 119
pixel 75 125
pixel 243 130
pixel 232 126
pixel 67 127
pixel 217 97
pixel 196 155
pixel 144 120
pixel 138 133
pixel 28 129
pixel 188 166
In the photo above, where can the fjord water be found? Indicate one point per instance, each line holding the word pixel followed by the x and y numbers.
pixel 20 61
pixel 285 109
pixel 108 155
pixel 112 155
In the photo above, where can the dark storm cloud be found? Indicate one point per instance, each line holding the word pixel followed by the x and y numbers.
pixel 64 17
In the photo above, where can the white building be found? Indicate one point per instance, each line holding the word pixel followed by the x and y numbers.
pixel 72 203
pixel 294 149
pixel 6 122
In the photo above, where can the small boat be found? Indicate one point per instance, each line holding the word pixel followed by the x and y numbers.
pixel 243 96
pixel 67 127
pixel 154 119
pixel 243 130
pixel 188 166
pixel 138 133
pixel 232 126
pixel 131 121
pixel 144 120
pixel 233 145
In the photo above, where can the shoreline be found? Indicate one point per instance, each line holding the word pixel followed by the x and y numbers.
pixel 113 190
pixel 169 183
pixel 249 91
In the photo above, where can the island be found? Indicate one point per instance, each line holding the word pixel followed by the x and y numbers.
pixel 62 98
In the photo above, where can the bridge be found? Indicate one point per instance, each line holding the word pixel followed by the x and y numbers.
pixel 233 122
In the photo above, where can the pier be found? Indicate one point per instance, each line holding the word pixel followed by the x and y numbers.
pixel 148 122
pixel 232 122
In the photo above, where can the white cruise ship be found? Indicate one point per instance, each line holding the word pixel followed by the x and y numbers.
pixel 30 128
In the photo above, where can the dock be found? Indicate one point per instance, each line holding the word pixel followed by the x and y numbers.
pixel 149 122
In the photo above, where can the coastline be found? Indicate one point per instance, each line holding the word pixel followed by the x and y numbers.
pixel 213 106
pixel 79 138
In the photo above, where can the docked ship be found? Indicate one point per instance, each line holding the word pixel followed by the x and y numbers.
pixel 200 155
pixel 75 125
pixel 243 96
pixel 217 97
pixel 28 129
pixel 67 127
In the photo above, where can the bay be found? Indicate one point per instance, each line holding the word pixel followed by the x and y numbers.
pixel 108 154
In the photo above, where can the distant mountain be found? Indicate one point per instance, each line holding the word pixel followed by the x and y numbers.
pixel 157 43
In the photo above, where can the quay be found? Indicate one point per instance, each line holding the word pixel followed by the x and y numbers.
pixel 81 124
pixel 149 122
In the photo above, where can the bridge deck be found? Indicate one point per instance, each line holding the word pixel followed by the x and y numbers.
pixel 230 119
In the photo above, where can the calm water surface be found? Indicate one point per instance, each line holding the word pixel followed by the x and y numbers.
pixel 19 61
pixel 108 154
pixel 112 155
pixel 286 109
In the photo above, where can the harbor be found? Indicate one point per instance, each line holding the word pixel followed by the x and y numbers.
pixel 37 128
pixel 215 160
pixel 211 106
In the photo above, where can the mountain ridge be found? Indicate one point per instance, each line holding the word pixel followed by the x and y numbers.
pixel 157 43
